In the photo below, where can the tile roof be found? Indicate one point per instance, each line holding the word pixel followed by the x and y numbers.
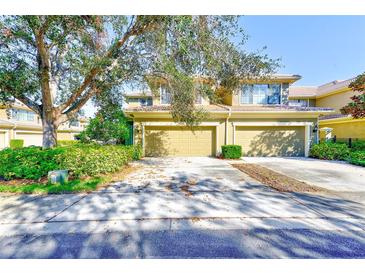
pixel 243 108
pixel 311 91
pixel 164 108
pixel 225 108
pixel 333 116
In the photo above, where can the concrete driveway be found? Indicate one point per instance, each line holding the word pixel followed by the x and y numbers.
pixel 181 208
pixel 345 180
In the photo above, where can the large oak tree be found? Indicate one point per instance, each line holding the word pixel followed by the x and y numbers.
pixel 55 64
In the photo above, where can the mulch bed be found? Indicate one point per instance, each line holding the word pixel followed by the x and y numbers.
pixel 276 180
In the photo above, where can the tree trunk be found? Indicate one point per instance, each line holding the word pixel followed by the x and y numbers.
pixel 49 133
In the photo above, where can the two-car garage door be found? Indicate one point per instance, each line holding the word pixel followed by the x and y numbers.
pixel 271 141
pixel 179 141
pixel 255 140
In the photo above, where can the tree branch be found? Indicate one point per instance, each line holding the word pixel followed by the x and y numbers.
pixel 135 30
pixel 31 104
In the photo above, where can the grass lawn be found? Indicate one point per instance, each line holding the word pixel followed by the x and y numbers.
pixel 72 186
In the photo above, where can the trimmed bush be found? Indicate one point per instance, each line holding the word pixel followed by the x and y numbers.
pixel 81 160
pixel 231 151
pixel 330 151
pixel 28 163
pixel 358 146
pixel 65 143
pixel 357 158
pixel 91 160
pixel 16 143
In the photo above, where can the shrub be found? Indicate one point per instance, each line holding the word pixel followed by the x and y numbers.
pixel 357 158
pixel 16 143
pixel 94 159
pixel 65 143
pixel 330 151
pixel 109 127
pixel 358 146
pixel 231 151
pixel 28 163
pixel 80 159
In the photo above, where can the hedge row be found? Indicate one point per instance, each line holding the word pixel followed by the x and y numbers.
pixel 81 160
pixel 330 151
pixel 91 160
pixel 337 151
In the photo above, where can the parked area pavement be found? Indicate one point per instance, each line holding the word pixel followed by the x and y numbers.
pixel 195 207
pixel 346 180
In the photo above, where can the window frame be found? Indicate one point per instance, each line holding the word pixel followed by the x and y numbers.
pixel 161 103
pixel 29 116
pixel 241 89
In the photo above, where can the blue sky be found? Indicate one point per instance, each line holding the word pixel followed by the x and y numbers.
pixel 319 48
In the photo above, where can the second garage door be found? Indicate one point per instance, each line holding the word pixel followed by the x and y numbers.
pixel 179 141
pixel 30 138
pixel 271 141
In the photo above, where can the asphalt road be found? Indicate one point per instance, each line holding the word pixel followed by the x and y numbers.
pixel 256 243
pixel 182 208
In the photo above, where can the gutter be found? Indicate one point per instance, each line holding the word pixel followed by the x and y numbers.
pixel 227 119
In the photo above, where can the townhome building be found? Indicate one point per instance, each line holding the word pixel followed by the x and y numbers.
pixel 20 122
pixel 260 116
pixel 336 95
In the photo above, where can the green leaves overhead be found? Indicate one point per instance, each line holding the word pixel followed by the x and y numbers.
pixel 57 63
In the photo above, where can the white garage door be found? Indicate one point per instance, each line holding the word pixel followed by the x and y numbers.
pixel 2 140
pixel 30 139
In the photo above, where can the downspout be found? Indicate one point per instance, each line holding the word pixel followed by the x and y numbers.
pixel 229 115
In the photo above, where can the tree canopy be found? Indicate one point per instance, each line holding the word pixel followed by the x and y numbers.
pixel 55 64
pixel 356 108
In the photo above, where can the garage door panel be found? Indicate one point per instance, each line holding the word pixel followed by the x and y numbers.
pixel 271 141
pixel 2 140
pixel 30 139
pixel 179 141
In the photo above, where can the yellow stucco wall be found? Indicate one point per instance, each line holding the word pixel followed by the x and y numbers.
pixel 3 114
pixel 348 129
pixel 296 136
pixel 336 101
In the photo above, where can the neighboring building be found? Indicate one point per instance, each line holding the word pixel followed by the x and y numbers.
pixel 334 95
pixel 19 122
pixel 257 116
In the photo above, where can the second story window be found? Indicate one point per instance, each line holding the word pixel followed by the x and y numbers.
pixel 74 123
pixel 165 95
pixel 299 103
pixel 22 115
pixel 266 94
pixel 145 101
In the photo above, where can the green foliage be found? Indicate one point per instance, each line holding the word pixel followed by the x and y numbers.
pixel 16 143
pixel 28 163
pixel 330 151
pixel 109 125
pixel 66 143
pixel 358 145
pixel 76 185
pixel 79 159
pixel 94 159
pixel 357 158
pixel 102 56
pixel 356 108
pixel 231 151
